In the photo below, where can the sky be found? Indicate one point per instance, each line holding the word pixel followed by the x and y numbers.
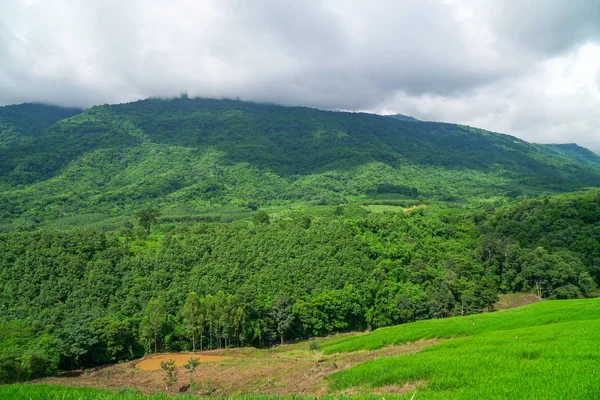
pixel 529 68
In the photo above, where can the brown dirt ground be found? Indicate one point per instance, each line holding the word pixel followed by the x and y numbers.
pixel 152 363
pixel 513 300
pixel 282 370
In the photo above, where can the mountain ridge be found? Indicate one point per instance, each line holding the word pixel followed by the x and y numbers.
pixel 203 153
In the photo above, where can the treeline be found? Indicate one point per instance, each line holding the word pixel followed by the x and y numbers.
pixel 78 298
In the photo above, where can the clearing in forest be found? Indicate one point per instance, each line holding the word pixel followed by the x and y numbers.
pixel 152 363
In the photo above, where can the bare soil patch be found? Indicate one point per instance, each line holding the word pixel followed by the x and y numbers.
pixel 282 370
pixel 152 363
pixel 513 300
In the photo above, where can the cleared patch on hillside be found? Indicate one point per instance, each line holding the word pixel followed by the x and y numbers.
pixel 283 370
pixel 512 300
pixel 152 363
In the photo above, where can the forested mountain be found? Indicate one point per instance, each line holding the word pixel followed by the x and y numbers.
pixel 576 153
pixel 402 117
pixel 24 122
pixel 185 156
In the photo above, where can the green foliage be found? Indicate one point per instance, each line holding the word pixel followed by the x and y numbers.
pixel 189 156
pixel 147 217
pixel 191 366
pixel 170 371
pixel 20 124
pixel 26 353
pixel 97 297
pixel 260 217
pixel 365 222
pixel 281 312
pixel 313 346
pixel 552 344
pixel 153 320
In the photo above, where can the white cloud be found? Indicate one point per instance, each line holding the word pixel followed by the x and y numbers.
pixel 555 101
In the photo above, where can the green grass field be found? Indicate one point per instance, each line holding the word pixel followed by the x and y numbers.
pixel 537 314
pixel 54 392
pixel 546 350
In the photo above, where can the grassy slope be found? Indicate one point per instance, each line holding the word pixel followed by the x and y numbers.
pixel 545 350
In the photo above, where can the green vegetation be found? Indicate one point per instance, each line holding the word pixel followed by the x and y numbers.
pixel 545 350
pixel 94 297
pixel 576 153
pixel 170 373
pixel 537 314
pixel 193 157
pixel 185 224
pixel 53 392
pixel 23 123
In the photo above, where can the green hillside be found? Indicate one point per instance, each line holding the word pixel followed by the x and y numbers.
pixel 576 153
pixel 189 156
pixel 23 123
pixel 546 350
pixel 542 351
pixel 402 117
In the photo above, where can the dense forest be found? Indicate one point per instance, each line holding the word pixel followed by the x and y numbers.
pixel 181 224
pixel 82 297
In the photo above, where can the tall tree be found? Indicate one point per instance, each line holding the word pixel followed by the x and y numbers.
pixel 191 315
pixel 147 217
pixel 282 314
pixel 154 318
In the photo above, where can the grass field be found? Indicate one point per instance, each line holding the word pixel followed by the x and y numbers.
pixel 547 350
pixel 537 314
pixel 55 392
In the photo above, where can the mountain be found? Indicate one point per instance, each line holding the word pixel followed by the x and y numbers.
pixel 24 122
pixel 402 117
pixel 185 156
pixel 576 153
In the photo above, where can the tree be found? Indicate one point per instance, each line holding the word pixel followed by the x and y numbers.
pixel 260 217
pixel 170 372
pixel 147 217
pixel 191 316
pixel 282 314
pixel 191 366
pixel 153 319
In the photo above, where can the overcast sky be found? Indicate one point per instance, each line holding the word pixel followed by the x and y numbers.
pixel 530 68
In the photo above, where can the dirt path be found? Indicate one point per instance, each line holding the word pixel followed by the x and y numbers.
pixel 284 370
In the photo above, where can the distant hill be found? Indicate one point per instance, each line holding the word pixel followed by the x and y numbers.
pixel 576 153
pixel 187 155
pixel 402 117
pixel 21 123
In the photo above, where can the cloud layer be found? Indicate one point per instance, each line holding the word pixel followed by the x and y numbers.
pixel 530 68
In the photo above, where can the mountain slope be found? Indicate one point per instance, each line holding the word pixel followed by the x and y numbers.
pixel 195 154
pixel 24 122
pixel 402 117
pixel 576 153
